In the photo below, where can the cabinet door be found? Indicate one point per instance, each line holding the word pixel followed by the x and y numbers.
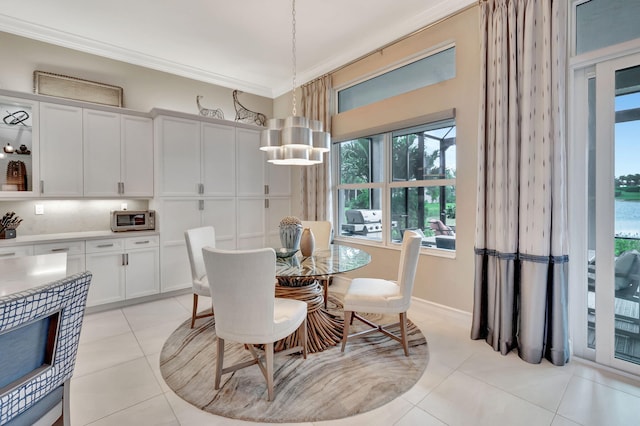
pixel 278 208
pixel 74 250
pixel 177 216
pixel 218 160
pixel 221 214
pixel 107 283
pixel 251 221
pixel 251 163
pixel 61 150
pixel 142 271
pixel 179 145
pixel 279 180
pixel 137 156
pixel 16 251
pixel 101 132
pixel 75 264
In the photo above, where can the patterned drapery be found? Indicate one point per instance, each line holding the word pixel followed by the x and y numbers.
pixel 316 179
pixel 520 297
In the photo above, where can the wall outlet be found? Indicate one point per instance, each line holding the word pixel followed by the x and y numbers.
pixel 123 206
pixel 39 208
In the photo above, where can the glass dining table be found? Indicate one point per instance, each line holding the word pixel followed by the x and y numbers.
pixel 299 278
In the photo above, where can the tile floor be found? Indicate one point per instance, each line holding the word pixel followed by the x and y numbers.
pixel 117 379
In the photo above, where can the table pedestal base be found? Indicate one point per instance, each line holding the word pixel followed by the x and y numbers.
pixel 323 329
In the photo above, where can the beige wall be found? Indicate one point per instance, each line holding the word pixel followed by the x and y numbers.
pixel 144 88
pixel 441 280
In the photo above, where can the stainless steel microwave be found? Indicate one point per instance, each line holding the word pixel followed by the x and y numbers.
pixel 133 220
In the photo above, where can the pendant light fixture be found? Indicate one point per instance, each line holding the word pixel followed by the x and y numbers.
pixel 295 140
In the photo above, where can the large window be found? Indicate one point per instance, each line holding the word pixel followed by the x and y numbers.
pixel 399 180
pixel 436 67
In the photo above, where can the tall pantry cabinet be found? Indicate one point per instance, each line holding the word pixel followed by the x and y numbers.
pixel 211 173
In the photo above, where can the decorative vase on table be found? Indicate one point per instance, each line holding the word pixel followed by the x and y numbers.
pixel 290 232
pixel 307 242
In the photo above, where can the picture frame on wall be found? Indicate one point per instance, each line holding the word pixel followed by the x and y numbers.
pixel 63 86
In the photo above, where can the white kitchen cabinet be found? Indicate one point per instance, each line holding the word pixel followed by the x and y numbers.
pixel 61 151
pixel 251 164
pixel 105 260
pixel 118 155
pixel 178 215
pixel 142 267
pixel 178 141
pixel 218 160
pixel 136 168
pixel 75 253
pixel 16 251
pixel 101 135
pixel 123 268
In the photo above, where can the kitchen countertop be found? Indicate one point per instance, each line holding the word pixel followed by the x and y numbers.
pixel 68 236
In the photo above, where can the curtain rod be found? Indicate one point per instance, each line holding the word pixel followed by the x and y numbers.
pixel 396 41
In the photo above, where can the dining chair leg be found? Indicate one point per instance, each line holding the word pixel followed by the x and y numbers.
pixel 403 333
pixel 303 338
pixel 345 328
pixel 268 352
pixel 195 309
pixel 219 360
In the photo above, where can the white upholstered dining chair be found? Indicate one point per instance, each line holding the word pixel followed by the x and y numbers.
pixel 242 284
pixel 196 239
pixel 323 235
pixel 378 296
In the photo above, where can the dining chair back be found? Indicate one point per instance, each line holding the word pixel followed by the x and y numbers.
pixel 242 285
pixel 39 337
pixel 196 239
pixel 379 296
pixel 323 234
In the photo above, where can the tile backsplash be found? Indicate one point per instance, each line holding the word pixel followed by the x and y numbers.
pixel 66 215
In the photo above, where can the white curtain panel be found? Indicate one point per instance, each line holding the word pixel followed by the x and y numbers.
pixel 520 297
pixel 316 179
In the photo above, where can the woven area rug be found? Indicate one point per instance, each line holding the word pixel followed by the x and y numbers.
pixel 327 385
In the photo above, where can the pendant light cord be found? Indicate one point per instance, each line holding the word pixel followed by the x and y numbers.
pixel 293 51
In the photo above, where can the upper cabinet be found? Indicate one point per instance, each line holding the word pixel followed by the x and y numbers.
pixel 19 173
pixel 118 155
pixel 197 159
pixel 178 142
pixel 61 151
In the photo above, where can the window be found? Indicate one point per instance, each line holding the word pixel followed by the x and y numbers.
pixel 596 18
pixel 436 67
pixel 417 189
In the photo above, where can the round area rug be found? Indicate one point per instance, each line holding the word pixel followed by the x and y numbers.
pixel 327 385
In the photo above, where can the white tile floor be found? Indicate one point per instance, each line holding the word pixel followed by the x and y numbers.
pixel 117 379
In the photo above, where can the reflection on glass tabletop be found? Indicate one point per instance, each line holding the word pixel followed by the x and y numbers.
pixel 323 262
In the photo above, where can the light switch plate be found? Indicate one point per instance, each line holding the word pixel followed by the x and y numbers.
pixel 39 208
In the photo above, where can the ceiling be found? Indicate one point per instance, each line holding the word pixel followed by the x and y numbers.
pixel 242 44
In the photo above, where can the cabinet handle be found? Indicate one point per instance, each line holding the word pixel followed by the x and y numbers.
pixel 142 242
pixel 126 256
pixel 60 249
pixel 104 245
pixel 200 188
pixel 122 257
pixel 266 203
pixel 42 187
pixel 200 204
pixel 120 187
pixel 266 190
pixel 8 254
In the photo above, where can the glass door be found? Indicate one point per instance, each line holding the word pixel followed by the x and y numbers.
pixel 613 213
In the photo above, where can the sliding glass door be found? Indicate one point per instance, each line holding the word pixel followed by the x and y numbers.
pixel 611 245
